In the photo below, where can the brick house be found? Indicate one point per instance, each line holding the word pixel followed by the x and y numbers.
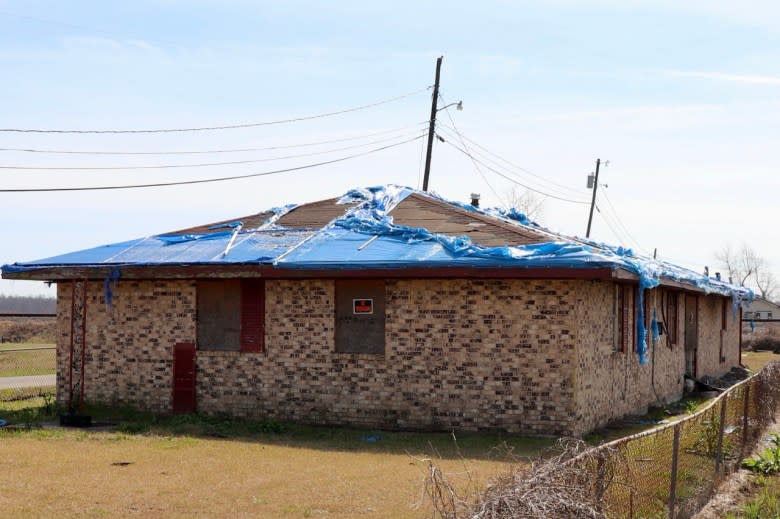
pixel 374 310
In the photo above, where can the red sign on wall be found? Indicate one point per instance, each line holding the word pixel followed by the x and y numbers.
pixel 362 306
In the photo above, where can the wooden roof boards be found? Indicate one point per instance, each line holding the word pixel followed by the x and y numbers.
pixel 439 217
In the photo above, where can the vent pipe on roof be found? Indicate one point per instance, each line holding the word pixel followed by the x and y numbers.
pixel 475 199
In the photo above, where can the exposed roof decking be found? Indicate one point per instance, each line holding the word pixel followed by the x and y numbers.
pixel 314 215
pixel 438 217
pixel 251 221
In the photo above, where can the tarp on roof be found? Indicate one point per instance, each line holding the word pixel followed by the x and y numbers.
pixel 248 247
pixel 364 236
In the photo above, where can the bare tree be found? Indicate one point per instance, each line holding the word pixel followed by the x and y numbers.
pixel 525 201
pixel 745 267
pixel 766 284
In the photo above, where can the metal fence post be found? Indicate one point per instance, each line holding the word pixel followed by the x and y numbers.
pixel 745 411
pixel 600 476
pixel 719 453
pixel 673 483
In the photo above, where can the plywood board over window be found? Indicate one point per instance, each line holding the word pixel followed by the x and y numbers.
pixel 360 316
pixel 231 315
pixel 670 316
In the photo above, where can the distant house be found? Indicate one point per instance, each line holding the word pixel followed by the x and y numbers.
pixel 389 308
pixel 760 309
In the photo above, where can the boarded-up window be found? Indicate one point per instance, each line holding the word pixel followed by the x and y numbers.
pixel 360 316
pixel 622 324
pixel 671 317
pixel 231 315
pixel 252 315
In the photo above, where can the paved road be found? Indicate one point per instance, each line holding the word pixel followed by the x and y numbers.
pixel 22 382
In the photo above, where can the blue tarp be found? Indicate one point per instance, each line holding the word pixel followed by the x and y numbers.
pixel 366 237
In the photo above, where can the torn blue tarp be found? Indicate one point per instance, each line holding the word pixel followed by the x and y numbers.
pixel 365 237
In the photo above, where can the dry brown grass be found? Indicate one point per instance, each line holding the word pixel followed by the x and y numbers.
pixel 75 474
pixel 755 360
pixel 553 486
pixel 15 330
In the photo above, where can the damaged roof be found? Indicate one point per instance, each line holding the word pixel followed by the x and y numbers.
pixel 384 227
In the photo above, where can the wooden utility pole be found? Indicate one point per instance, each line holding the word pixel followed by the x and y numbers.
pixel 593 200
pixel 432 125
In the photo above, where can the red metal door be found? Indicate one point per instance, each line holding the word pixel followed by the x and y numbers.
pixel 184 378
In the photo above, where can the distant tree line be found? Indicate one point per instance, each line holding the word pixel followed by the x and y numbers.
pixel 27 304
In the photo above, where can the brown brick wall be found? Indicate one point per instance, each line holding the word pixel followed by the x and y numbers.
pixel 518 355
pixel 453 358
pixel 464 354
pixel 710 325
pixel 129 347
pixel 612 384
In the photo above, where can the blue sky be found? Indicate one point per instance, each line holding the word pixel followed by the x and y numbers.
pixel 682 99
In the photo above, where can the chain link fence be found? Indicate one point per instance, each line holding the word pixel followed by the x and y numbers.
pixel 672 471
pixel 26 371
pixel 27 357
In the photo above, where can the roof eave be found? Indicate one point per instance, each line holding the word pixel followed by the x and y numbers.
pixel 195 271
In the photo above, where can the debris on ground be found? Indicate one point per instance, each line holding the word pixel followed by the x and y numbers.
pixel 735 375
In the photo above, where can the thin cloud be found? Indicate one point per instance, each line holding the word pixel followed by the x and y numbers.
pixel 721 76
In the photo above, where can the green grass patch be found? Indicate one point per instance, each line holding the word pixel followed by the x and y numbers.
pixel 477 445
pixel 27 362
pixel 764 503
pixel 29 410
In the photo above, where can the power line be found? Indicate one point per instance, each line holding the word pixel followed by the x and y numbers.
pixel 494 163
pixel 225 127
pixel 520 168
pixel 209 180
pixel 463 143
pixel 618 220
pixel 515 181
pixel 202 164
pixel 420 166
pixel 203 152
pixel 617 235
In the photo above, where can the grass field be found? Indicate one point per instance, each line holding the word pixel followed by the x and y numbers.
pixel 755 360
pixel 33 361
pixel 217 467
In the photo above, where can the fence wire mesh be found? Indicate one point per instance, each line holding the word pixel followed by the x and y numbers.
pixel 672 471
pixel 26 371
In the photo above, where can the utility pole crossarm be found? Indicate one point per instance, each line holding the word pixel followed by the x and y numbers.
pixel 432 124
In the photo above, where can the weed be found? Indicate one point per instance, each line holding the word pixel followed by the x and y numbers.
pixel 768 461
pixel 691 406
pixel 765 505
pixel 706 442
